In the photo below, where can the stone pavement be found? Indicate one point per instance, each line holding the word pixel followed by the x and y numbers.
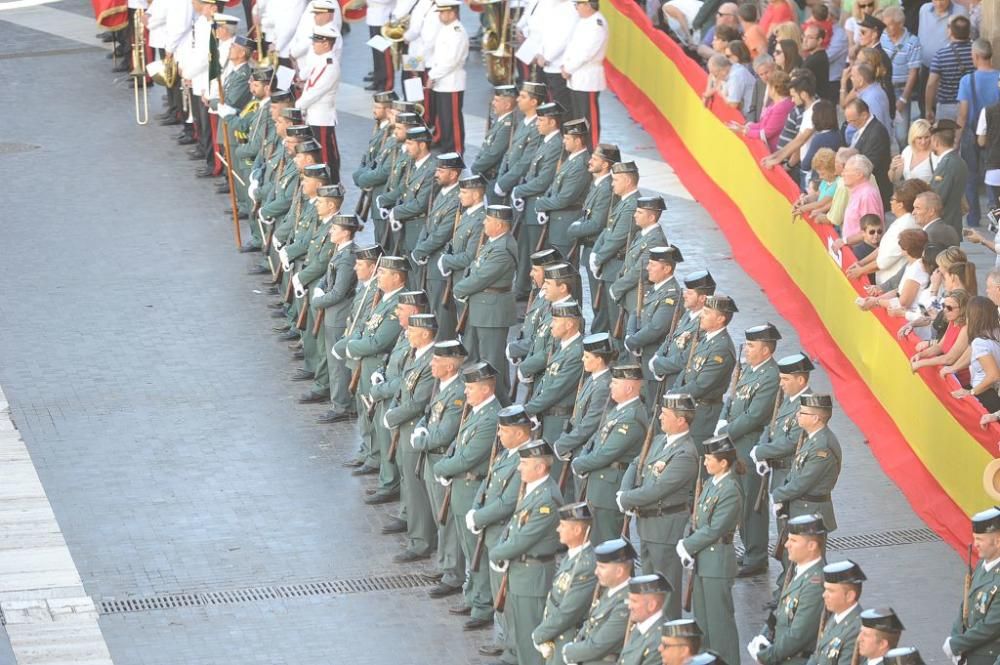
pixel 207 514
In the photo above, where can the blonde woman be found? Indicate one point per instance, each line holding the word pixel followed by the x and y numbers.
pixel 915 160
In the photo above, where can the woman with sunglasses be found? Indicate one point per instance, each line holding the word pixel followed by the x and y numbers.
pixel 949 347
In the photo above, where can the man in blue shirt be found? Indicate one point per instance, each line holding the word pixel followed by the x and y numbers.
pixel 949 65
pixel 977 90
pixel 903 49
pixel 933 36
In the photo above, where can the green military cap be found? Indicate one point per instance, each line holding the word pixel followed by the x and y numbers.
pixel 762 333
pixel 578 127
pixel 903 656
pixel 569 309
pixel 575 512
pixel 293 114
pixel 723 304
pixel 299 132
pixel 349 222
pixel 627 371
pixel 409 119
pixel 560 271
pixel 421 134
pixel 309 145
pixel 807 525
pixel 680 402
pixel 625 167
pixel 472 181
pixel 535 448
pixel 718 445
pixel 654 583
pixel 797 363
pixel 987 521
pixel 617 550
pixel 417 298
pixel 599 343
pixel 681 628
pixel 395 263
pixel 551 110
pixel 480 371
pixel 843 572
pixel 282 96
pixel 503 213
pixel 505 91
pixel 261 74
pixel 335 191
pixel 385 97
pixel 245 42
pixel 546 257
pixel 450 348
pixel 428 321
pixel 654 203
pixel 670 255
pixel 700 281
pixel 448 160
pixel 368 253
pixel 319 171
pixel 407 107
pixel 817 401
pixel 609 152
pixel 514 416
pixel 705 658
pixel 536 90
pixel 882 619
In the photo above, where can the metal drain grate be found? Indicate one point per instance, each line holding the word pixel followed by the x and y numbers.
pixel 883 539
pixel 257 594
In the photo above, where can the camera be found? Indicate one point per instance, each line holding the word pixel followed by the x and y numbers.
pixel 994 217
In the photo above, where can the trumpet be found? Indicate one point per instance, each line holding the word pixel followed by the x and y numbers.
pixel 138 72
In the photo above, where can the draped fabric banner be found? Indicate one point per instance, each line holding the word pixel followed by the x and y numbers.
pixel 926 441
pixel 111 14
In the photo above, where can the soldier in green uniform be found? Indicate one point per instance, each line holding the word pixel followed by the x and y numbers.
pixel 464 468
pixel 555 280
pixel 394 168
pixel 573 588
pixel 608 254
pixel 975 635
pixel 708 550
pixel 661 309
pixel 282 205
pixel 524 141
pixel 744 417
pixel 251 129
pixel 590 401
pixel 366 259
pixel 459 253
pixel 793 628
pixel 402 414
pixel 604 459
pixel 493 506
pixel 409 214
pixel 236 89
pixel 880 633
pixel 671 358
pixel 537 178
pixel 526 550
pixel 646 596
pixel 816 467
pixel 903 656
pixel 840 623
pixel 562 203
pixel 680 640
pixel 499 136
pixel 486 291
pixel 594 218
pixel 602 634
pixel 632 276
pixel 709 365
pixel 657 493
pixel 439 227
pixel 331 298
pixel 370 167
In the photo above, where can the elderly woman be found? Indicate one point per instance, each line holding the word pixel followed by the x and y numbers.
pixel 828 210
pixel 773 117
pixel 947 349
pixel 863 199
pixel 916 275
pixel 889 259
pixel 915 159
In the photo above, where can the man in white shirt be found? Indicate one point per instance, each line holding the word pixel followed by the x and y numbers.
pixel 559 19
pixel 193 63
pixel 318 100
pixel 419 37
pixel 446 77
pixel 279 20
pixel 880 632
pixel 384 70
pixel 583 65
pixel 319 12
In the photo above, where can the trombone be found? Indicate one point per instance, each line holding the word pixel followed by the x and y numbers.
pixel 138 72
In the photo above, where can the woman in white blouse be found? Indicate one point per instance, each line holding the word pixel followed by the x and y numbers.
pixel 915 160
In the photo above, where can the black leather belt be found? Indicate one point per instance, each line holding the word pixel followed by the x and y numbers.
pixel 546 558
pixel 559 411
pixel 815 498
pixel 621 466
pixel 497 289
pixel 473 476
pixel 662 510
pixel 779 463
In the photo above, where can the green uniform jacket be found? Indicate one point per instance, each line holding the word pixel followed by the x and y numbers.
pixel 749 412
pixel 836 644
pixel 467 463
pixel 237 91
pixel 812 478
pixel 303 231
pixel 520 347
pixel 438 230
pixel 719 510
pixel 797 620
pixel 540 175
pixel 487 287
pixel 564 199
pixel 777 441
pixel 375 174
pixel 269 164
pixel 610 451
pixel 600 638
pixel 980 642
pixel 707 379
pixel 670 358
pixel 531 535
pixel 554 393
pixel 318 255
pixel 259 127
pixel 596 208
pixel 285 186
pixel 392 370
pixel 522 148
pixel 338 286
pixel 360 306
pixel 588 411
pixel 442 419
pixel 569 599
pixel 415 386
pixel 499 497
pixel 610 246
pixel 658 307
pixel 374 339
pixel 641 648
pixel 666 481
pixel 538 342
pixel 462 250
pixel 625 290
pixel 414 201
pixel 241 124
pixel 495 145
pixel 370 160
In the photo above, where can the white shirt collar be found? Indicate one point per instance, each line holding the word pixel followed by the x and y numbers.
pixel 632 193
pixel 990 565
pixel 719 479
pixel 809 436
pixel 573 551
pixel 472 209
pixel 528 121
pixel 795 398
pixel 548 137
pixel 445 190
pixel 420 162
pixel 658 285
pixel 626 403
pixel 842 615
pixel 499 118
pixel 567 342
pixel 714 333
pixel 562 300
pixel 601 178
pixel 342 245
pixel 875 661
pixel 649 623
pixel 578 152
pixel 479 407
pixel 383 123
pixel 447 382
pixel 648 229
pixel 598 373
pixel 422 350
pixel 754 368
pixel 391 293
pixel 616 589
pixel 803 568
pixel 674 437
pixel 695 314
pixel 530 487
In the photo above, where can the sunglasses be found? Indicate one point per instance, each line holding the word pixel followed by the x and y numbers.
pixel 950 308
pixel 861 6
pixel 874 232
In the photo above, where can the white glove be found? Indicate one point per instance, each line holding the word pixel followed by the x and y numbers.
pixel 252 191
pixel 525 379
pixel 317 292
pixel 534 422
pixel 686 559
pixel 394 224
pixel 417 434
pixel 376 378
pixel 592 262
pixel 347 350
pixel 563 456
pixel 574 224
pixel 276 244
pixel 543 217
pixel 545 649
pixel 500 567
pixel 775 508
pixel 655 375
pixel 385 420
pixel 443 482
pixel 297 285
pixel 225 110
pixel 260 216
pixel 384 212
pixel 756 644
pixel 761 465
pixel 517 203
pixel 283 255
pixel 498 191
pixel 441 269
pixel 333 352
pixel 506 352
pixel 470 520
pixel 946 647
pixel 618 500
pixel 720 425
pixel 418 261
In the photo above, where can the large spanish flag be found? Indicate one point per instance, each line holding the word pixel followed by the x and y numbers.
pixel 111 14
pixel 927 442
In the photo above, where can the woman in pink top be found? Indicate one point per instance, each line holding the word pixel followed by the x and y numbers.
pixel 778 11
pixel 863 199
pixel 772 118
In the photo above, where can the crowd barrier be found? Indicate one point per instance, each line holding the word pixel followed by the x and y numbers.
pixel 929 443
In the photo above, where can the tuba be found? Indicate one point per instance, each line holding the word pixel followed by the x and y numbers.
pixel 163 72
pixel 393 30
pixel 498 56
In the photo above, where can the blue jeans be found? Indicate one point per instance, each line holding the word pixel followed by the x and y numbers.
pixel 969 151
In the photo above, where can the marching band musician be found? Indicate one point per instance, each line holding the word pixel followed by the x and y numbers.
pixel 583 65
pixel 319 12
pixel 446 77
pixel 318 100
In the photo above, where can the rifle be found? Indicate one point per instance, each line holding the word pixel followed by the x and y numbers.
pixel 619 329
pixel 968 587
pixel 477 554
pixel 647 445
pixel 318 321
pixel 600 284
pixel 501 599
pixel 442 513
pixel 573 249
pixel 464 317
pixel 735 378
pixel 604 418
pixel 364 204
pixel 567 427
pixel 520 335
pixel 450 284
pixel 302 318
pixel 765 482
pixel 779 546
pixel 689 591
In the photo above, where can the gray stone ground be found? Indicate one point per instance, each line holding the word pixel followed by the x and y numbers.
pixel 142 373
